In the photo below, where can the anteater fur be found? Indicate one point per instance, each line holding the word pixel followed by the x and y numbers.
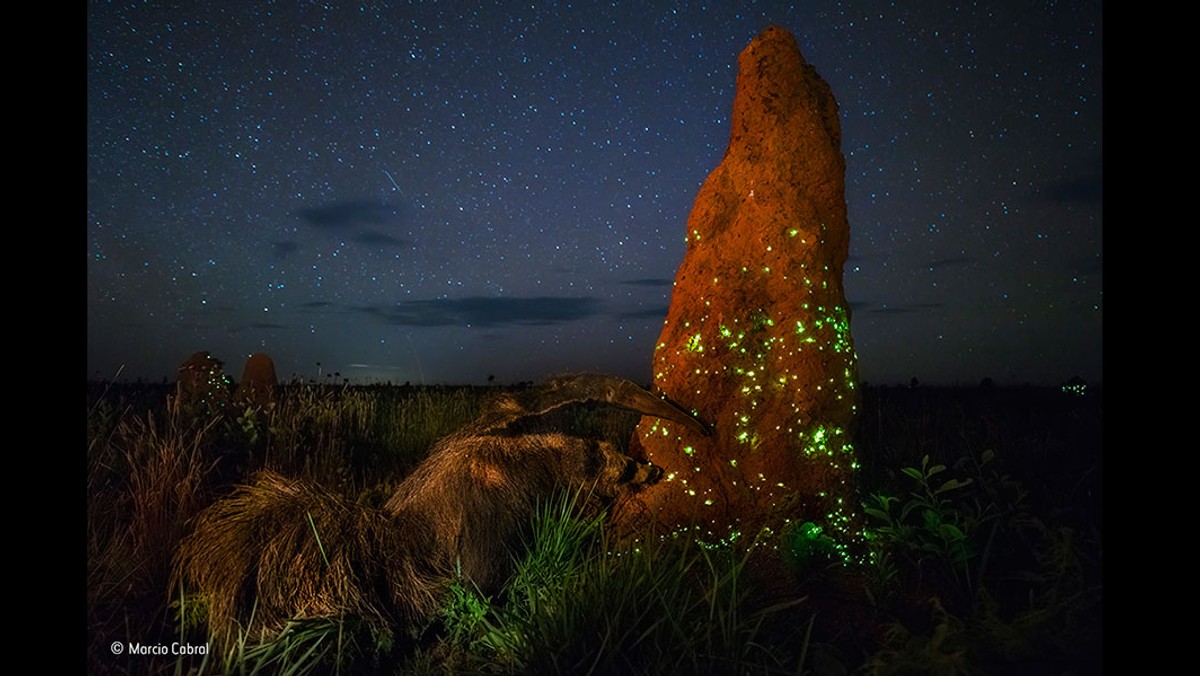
pixel 279 549
pixel 480 493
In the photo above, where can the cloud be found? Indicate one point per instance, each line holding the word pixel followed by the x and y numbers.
pixel 480 311
pixel 376 238
pixel 284 249
pixel 347 213
pixel 948 262
pixel 649 281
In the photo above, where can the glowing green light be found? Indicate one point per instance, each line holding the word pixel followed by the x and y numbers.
pixel 1076 389
pixel 693 344
pixel 688 450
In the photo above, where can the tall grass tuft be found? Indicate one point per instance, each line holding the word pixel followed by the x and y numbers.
pixel 313 431
pixel 576 605
pixel 145 482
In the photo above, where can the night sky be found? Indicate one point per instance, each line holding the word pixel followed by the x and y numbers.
pixel 438 192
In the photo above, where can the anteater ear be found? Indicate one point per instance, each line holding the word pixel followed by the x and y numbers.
pixel 630 471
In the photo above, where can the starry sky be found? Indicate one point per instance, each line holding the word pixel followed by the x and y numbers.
pixel 439 192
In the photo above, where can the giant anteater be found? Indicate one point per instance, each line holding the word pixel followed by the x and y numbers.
pixel 279 549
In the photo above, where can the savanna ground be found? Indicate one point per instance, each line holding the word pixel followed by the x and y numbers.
pixel 983 510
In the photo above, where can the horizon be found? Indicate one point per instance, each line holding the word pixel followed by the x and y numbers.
pixel 337 379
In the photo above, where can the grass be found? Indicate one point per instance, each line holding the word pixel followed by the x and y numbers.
pixel 581 604
pixel 982 506
pixel 144 478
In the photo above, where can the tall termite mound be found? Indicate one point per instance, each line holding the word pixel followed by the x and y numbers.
pixel 757 338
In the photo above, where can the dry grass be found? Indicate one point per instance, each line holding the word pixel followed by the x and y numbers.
pixel 145 482
pixel 280 549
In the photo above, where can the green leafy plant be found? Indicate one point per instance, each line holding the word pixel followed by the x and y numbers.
pixel 465 612
pixel 250 425
pixel 928 524
pixel 807 549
